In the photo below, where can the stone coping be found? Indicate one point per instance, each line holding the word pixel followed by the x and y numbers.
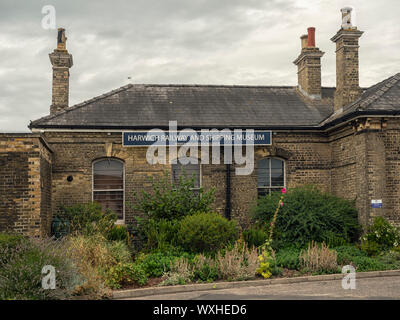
pixel 142 292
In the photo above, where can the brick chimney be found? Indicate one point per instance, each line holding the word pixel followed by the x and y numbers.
pixel 309 66
pixel 61 61
pixel 347 78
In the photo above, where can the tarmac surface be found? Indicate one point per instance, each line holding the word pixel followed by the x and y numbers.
pixel 387 287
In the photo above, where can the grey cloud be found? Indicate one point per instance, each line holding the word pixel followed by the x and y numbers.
pixel 177 41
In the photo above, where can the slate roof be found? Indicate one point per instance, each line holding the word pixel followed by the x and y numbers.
pixel 144 106
pixel 381 98
pixel 195 106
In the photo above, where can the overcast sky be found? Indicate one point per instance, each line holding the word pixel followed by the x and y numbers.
pixel 178 41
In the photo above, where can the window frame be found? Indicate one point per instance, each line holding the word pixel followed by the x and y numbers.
pixel 119 221
pixel 270 188
pixel 183 165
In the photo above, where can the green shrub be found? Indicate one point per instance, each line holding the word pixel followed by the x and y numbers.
pixel 288 258
pixel 206 232
pixel 159 234
pixel 119 251
pixel 21 273
pixel 118 233
pixel 236 263
pixel 124 274
pixel 351 255
pixel 391 259
pixel 205 272
pixel 255 236
pixel 88 219
pixel 368 264
pixel 156 263
pixel 347 254
pixel 9 243
pixel 371 247
pixel 381 236
pixel 170 200
pixel 307 215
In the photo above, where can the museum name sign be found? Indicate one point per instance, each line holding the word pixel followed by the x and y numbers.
pixel 191 137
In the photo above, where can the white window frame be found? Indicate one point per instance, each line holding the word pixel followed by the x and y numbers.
pixel 270 175
pixel 119 221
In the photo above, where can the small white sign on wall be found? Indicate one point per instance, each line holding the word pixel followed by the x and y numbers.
pixel 376 203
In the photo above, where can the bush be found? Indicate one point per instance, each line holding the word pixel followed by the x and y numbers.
pixel 119 251
pixel 347 254
pixel 236 263
pixel 9 243
pixel 360 260
pixel 180 273
pixel 307 215
pixel 381 236
pixel 156 263
pixel 93 256
pixel 172 201
pixel 319 258
pixel 159 234
pixel 118 233
pixel 124 274
pixel 288 258
pixel 21 273
pixel 87 219
pixel 206 232
pixel 254 237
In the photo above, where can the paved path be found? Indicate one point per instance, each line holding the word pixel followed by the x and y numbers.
pixel 366 288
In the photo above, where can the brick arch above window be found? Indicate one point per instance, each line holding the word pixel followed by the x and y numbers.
pixel 272 151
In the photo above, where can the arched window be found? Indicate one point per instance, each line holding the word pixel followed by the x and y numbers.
pixel 108 185
pixel 189 171
pixel 270 175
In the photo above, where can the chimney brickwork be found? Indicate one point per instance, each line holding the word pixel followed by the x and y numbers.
pixel 347 69
pixel 309 67
pixel 61 61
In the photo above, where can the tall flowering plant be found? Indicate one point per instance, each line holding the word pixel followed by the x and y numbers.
pixel 267 254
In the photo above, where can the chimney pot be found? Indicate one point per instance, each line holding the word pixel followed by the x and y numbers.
pixel 309 67
pixel 311 37
pixel 304 41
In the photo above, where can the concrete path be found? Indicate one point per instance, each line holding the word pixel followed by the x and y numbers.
pixel 386 287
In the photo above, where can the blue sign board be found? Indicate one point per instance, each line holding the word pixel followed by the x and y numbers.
pixel 376 203
pixel 191 137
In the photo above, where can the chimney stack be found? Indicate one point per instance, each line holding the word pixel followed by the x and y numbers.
pixel 61 61
pixel 309 66
pixel 347 71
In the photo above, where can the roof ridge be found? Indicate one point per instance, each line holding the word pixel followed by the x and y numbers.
pixel 386 84
pixel 84 103
pixel 210 85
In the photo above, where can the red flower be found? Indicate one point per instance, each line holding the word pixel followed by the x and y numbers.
pixel 284 190
pixel 281 204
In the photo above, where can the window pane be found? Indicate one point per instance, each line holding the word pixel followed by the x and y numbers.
pixel 263 173
pixel 113 200
pixel 108 174
pixel 277 178
pixel 188 170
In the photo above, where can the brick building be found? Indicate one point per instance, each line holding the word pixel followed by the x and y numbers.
pixel 346 140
